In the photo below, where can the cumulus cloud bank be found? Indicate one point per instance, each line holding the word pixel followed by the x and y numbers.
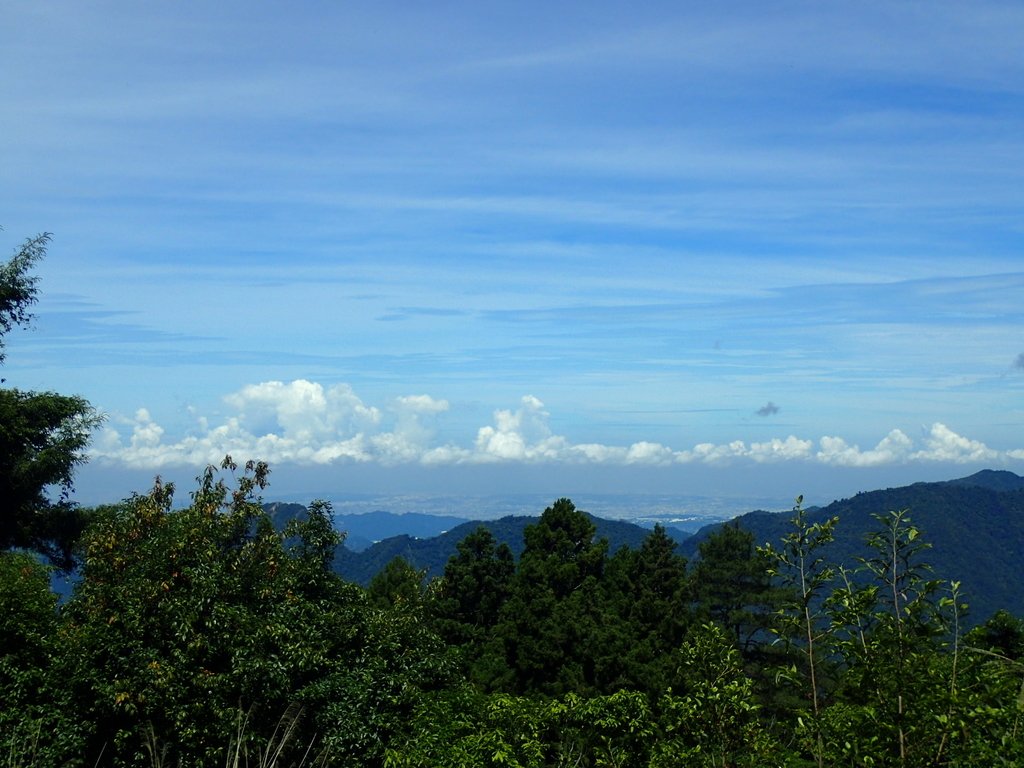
pixel 303 422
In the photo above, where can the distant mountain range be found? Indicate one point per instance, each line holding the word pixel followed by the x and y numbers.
pixel 975 526
pixel 432 554
pixel 362 530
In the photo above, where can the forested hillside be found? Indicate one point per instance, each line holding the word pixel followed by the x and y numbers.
pixel 974 526
pixel 431 554
pixel 206 636
pixel 363 530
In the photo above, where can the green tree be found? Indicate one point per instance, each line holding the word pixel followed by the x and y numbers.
pixel 312 542
pixel 37 723
pixel 19 288
pixel 475 585
pixel 466 602
pixel 367 691
pixel 909 694
pixel 805 575
pixel 646 615
pixel 461 727
pixel 398 585
pixel 713 720
pixel 561 549
pixel 186 621
pixel 905 631
pixel 1003 634
pixel 616 730
pixel 548 628
pixel 464 728
pixel 731 586
pixel 43 435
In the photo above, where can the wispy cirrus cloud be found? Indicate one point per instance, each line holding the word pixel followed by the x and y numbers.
pixel 303 422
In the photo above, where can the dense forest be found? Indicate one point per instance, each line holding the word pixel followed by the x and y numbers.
pixel 204 635
pixel 975 528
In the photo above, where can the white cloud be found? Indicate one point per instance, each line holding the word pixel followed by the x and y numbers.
pixel 710 453
pixel 521 435
pixel 413 432
pixel 649 453
pixel 893 448
pixel 596 453
pixel 297 422
pixel 943 444
pixel 781 450
pixel 303 410
pixel 446 454
pixel 146 433
pixel 776 449
pixel 302 422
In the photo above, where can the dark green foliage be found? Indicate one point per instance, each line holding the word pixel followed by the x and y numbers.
pixel 569 619
pixel 1002 634
pixel 42 440
pixel 432 554
pixel 975 527
pixel 27 606
pixel 186 621
pixel 476 584
pixel 34 718
pixel 208 633
pixel 43 436
pixel 908 694
pixel 804 575
pixel 399 584
pixel 18 287
pixel 312 541
pixel 646 616
pixel 713 719
pixel 363 697
pixel 731 586
pixel 463 728
pixel 548 627
pixel 182 619
pixel 897 670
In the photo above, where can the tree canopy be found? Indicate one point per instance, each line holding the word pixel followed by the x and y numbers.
pixel 43 435
pixel 206 636
pixel 19 287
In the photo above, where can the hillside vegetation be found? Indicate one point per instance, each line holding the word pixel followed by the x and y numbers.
pixel 431 554
pixel 975 526
pixel 206 636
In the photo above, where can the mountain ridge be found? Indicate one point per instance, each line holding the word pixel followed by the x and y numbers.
pixel 432 554
pixel 974 526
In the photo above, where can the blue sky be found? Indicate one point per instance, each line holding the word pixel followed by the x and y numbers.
pixel 706 248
